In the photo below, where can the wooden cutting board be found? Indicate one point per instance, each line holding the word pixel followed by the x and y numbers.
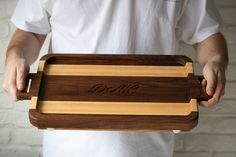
pixel 114 92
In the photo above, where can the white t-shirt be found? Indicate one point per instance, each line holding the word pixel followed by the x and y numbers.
pixel 115 27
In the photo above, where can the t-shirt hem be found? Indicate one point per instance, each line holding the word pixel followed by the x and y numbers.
pixel 203 36
pixel 28 28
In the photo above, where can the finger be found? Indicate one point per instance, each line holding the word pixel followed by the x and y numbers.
pixel 12 91
pixel 12 86
pixel 205 103
pixel 202 103
pixel 218 92
pixel 211 102
pixel 4 85
pixel 20 77
pixel 5 81
pixel 204 83
pixel 219 88
pixel 211 82
pixel 223 80
pixel 214 100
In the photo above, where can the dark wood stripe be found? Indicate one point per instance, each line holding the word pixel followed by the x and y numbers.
pixel 115 89
pixel 99 59
pixel 115 122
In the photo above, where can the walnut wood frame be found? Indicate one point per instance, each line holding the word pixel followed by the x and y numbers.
pixel 181 87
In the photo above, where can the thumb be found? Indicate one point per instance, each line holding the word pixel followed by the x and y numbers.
pixel 211 82
pixel 12 85
pixel 20 77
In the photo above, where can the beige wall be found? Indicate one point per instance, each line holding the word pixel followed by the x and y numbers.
pixel 215 135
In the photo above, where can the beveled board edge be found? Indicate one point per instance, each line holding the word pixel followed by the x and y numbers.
pixel 113 122
pixel 119 70
pixel 116 59
pixel 36 118
pixel 117 108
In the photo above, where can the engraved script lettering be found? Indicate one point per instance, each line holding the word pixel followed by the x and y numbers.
pixel 122 89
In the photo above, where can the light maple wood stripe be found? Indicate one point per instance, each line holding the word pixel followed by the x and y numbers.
pixel 116 108
pixel 41 65
pixel 118 70
pixel 189 67
pixel 194 105
pixel 33 103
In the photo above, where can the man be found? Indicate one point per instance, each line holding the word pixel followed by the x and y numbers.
pixel 115 27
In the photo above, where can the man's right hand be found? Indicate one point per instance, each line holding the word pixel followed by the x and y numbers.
pixel 22 51
pixel 15 72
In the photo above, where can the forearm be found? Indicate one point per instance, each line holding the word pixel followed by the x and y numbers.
pixel 212 48
pixel 22 51
pixel 212 54
pixel 25 45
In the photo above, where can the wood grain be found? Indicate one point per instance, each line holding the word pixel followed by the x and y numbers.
pixel 116 89
pixel 108 59
pixel 118 70
pixel 115 92
pixel 113 122
pixel 116 108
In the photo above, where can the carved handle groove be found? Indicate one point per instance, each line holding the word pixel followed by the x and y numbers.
pixel 26 95
pixel 203 96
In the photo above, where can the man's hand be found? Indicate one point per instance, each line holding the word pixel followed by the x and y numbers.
pixel 22 51
pixel 212 54
pixel 16 70
pixel 214 82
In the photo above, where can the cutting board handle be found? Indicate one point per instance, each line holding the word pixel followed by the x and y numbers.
pixel 203 96
pixel 26 93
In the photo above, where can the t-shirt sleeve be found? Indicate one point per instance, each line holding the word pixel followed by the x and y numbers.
pixel 31 16
pixel 199 20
